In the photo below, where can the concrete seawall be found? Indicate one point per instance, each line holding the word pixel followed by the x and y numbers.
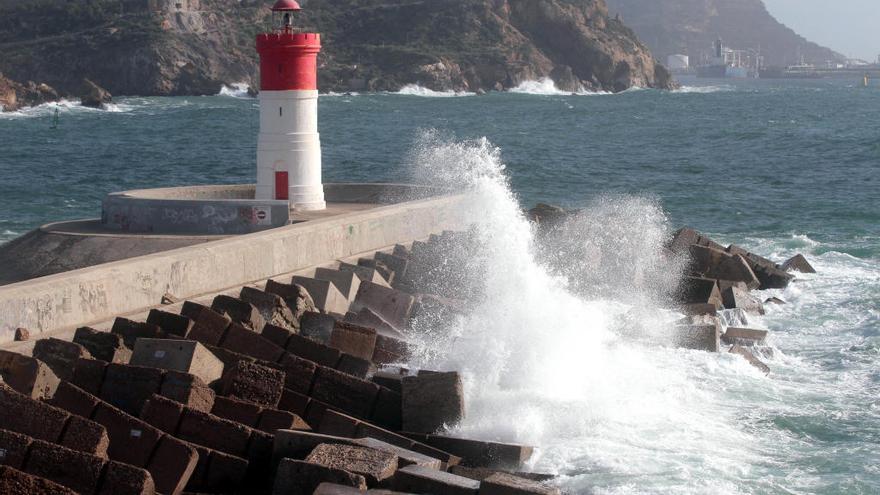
pixel 96 293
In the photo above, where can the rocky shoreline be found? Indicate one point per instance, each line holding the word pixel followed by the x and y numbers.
pixel 14 95
pixel 196 47
pixel 295 385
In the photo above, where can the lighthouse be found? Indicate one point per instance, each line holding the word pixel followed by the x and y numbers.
pixel 289 147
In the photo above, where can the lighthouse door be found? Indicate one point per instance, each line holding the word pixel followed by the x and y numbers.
pixel 281 188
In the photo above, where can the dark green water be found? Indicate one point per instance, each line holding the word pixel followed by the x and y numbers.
pixel 780 167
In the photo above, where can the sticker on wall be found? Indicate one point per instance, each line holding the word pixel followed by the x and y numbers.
pixel 262 215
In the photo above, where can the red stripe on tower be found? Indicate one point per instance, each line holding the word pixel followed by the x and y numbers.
pixel 288 61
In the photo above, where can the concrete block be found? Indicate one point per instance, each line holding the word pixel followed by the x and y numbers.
pixel 16 482
pixel 88 374
pixel 259 457
pixel 405 457
pixel 86 436
pixel 431 401
pixel 299 372
pixel 297 297
pixel 242 340
pixel 188 390
pixel 241 312
pixel 392 305
pixel 60 356
pixel 27 375
pixel 272 308
pixel 705 337
pixel 36 419
pixel 338 424
pixel 122 479
pixel 375 466
pixel 294 402
pixel 302 478
pixel 345 392
pixel 171 323
pixel 346 282
pixel 163 413
pixel 751 358
pixel 75 400
pixel 78 471
pixel 334 489
pixel 324 293
pixel 418 479
pixel 225 473
pixel 354 339
pixel 368 318
pixel 246 413
pixel 277 335
pixel 744 336
pixel 13 448
pixel 355 366
pixel 272 420
pixel 508 484
pixel 697 290
pixel 389 379
pixel 296 444
pixel 209 327
pixel 477 453
pixel 128 387
pixel 365 273
pixel 317 326
pixel 798 263
pixel 699 309
pixel 480 474
pixel 173 465
pixel 105 346
pixel 131 330
pixel 132 440
pixel 734 297
pixel 252 382
pixel 187 356
pixel 390 350
pixel 380 267
pixel 313 350
pixel 388 411
pixel 214 432
pixel 397 265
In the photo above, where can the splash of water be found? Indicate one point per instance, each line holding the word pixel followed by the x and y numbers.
pixel 416 90
pixel 543 360
pixel 235 90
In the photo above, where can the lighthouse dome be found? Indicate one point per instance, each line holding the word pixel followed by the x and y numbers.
pixel 285 5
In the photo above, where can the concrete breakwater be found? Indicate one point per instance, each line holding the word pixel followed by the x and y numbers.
pixel 272 387
pixel 287 384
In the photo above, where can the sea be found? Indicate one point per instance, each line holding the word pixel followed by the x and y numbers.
pixel 582 369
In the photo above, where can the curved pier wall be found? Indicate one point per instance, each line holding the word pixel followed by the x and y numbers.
pixel 82 297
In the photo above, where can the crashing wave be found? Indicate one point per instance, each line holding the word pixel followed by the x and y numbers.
pixel 416 90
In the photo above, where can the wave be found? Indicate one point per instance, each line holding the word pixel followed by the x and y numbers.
pixel 235 90
pixel 547 87
pixel 416 90
pixel 65 106
pixel 703 89
pixel 335 94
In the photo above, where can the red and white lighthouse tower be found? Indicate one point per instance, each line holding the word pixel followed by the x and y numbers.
pixel 289 148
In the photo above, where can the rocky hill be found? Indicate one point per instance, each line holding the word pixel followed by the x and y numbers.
pixel 691 26
pixel 159 47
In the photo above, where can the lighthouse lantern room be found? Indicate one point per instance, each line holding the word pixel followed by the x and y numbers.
pixel 289 147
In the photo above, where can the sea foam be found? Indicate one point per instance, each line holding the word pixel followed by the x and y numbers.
pixel 416 90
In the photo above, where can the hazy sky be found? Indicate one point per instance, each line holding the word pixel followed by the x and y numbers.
pixel 851 27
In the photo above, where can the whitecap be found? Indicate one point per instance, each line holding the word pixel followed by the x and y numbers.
pixel 703 89
pixel 416 90
pixel 235 90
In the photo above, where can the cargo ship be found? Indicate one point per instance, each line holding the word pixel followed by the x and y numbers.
pixel 726 63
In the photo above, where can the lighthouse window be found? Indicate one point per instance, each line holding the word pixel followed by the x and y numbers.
pixel 280 111
pixel 280 68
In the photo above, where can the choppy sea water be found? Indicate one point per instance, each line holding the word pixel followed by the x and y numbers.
pixel 778 167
